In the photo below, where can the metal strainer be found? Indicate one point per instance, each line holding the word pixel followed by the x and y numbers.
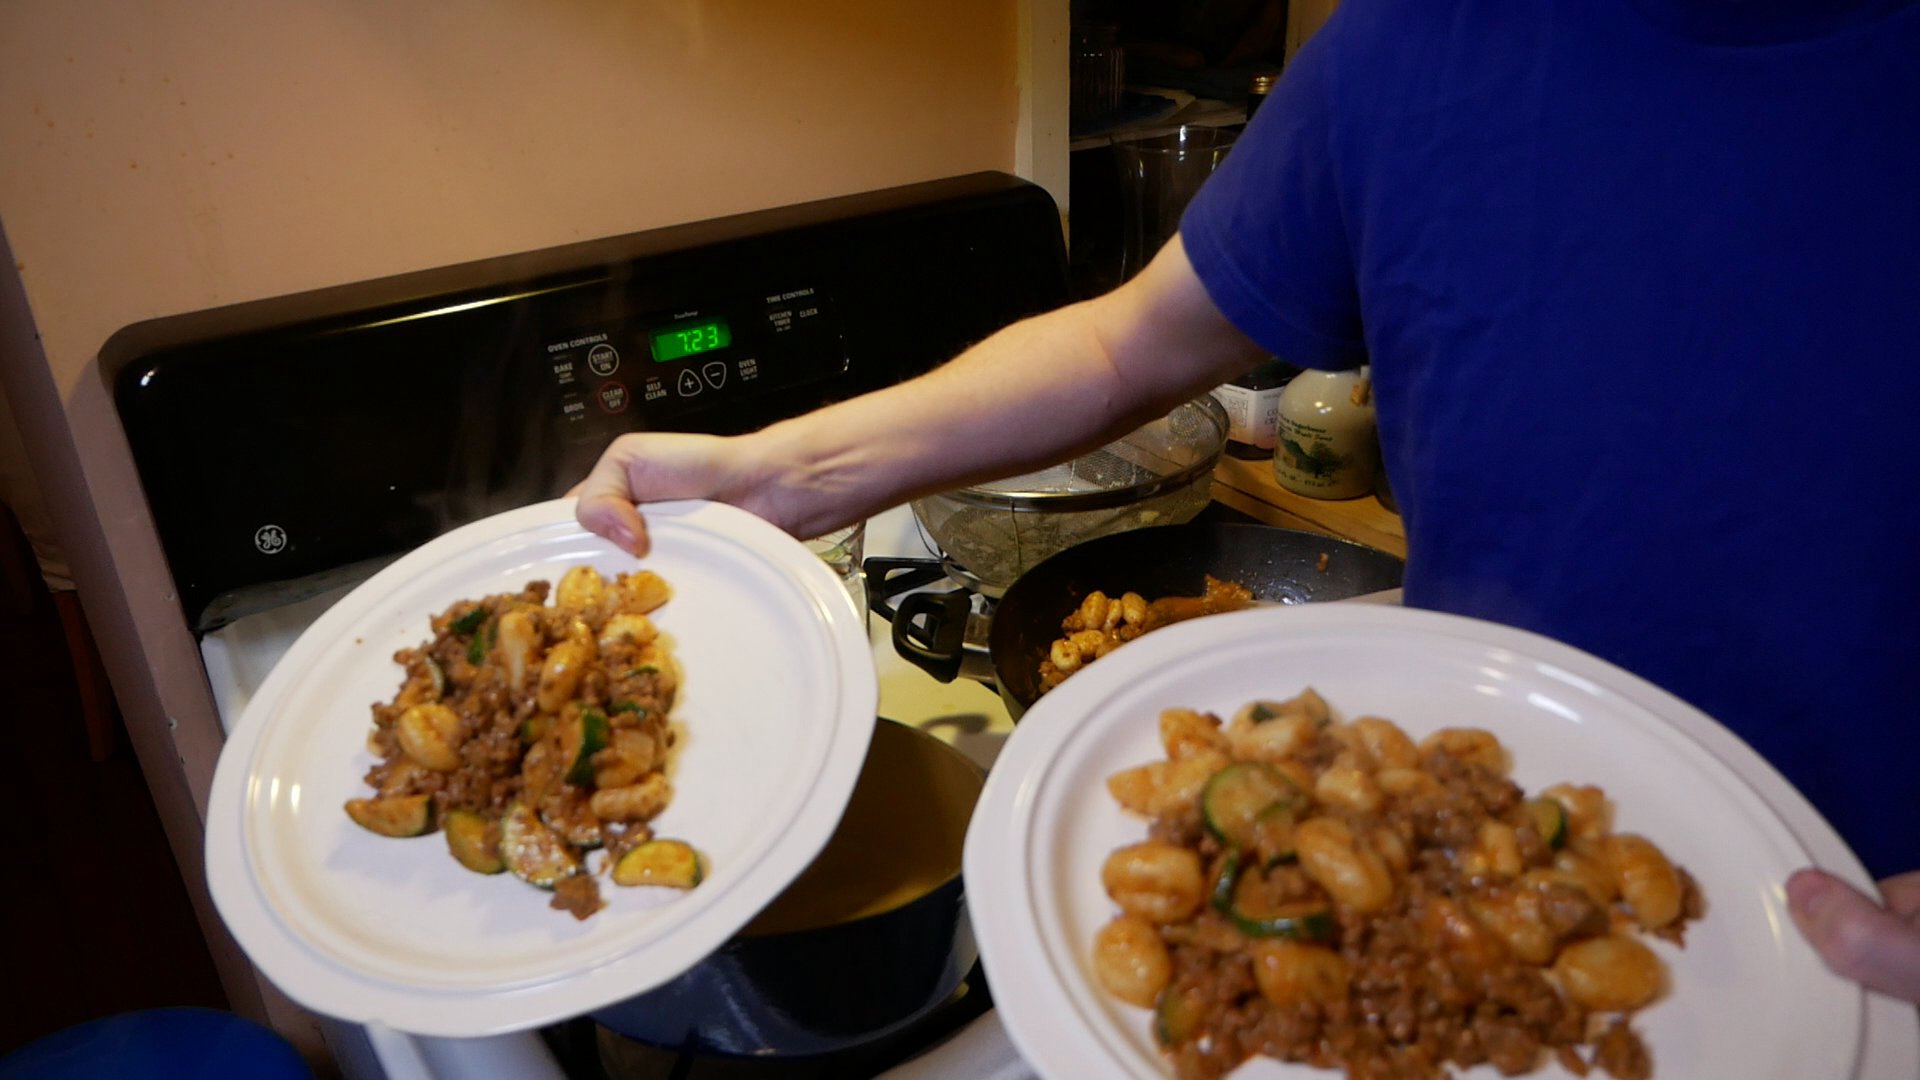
pixel 1159 474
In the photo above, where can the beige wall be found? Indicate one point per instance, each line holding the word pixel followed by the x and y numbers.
pixel 159 158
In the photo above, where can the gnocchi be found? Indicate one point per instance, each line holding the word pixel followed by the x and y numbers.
pixel 1399 907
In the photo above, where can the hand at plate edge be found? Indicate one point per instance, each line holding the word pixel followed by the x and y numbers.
pixel 1876 946
pixel 643 467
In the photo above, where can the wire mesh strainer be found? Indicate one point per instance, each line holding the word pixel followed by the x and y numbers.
pixel 1159 474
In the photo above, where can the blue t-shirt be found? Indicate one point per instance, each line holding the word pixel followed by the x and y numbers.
pixel 1639 282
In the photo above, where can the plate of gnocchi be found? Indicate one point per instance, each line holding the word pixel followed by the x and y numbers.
pixel 517 718
pixel 1373 842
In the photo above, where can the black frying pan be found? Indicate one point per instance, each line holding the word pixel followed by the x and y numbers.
pixel 1278 565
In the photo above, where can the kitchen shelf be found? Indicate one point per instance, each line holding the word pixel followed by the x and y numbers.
pixel 1249 487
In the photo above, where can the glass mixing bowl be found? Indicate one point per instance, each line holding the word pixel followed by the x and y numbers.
pixel 1161 473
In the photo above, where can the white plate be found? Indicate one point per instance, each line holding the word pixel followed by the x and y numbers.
pixel 775 712
pixel 1750 999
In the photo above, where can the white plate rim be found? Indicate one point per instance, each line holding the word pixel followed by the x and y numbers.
pixel 320 983
pixel 1035 1010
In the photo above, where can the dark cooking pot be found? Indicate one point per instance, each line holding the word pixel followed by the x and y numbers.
pixel 938 631
pixel 872 936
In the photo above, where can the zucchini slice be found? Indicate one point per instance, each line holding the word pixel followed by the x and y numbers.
pixel 1301 920
pixel 467 839
pixel 1237 795
pixel 481 644
pixel 1298 920
pixel 1179 1018
pixel 536 854
pixel 660 862
pixel 582 737
pixel 1273 834
pixel 468 623
pixel 1226 883
pixel 401 815
pixel 1549 819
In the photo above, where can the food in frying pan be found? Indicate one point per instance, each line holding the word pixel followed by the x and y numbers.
pixel 532 734
pixel 1336 894
pixel 1101 624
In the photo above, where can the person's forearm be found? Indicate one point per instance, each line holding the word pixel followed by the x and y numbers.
pixel 1033 394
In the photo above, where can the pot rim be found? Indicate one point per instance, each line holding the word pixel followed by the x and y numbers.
pixel 1027 502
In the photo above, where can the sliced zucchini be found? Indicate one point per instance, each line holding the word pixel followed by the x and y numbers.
pixel 581 737
pixel 400 815
pixel 579 829
pixel 1226 883
pixel 534 728
pixel 1262 712
pixel 659 862
pixel 1179 1018
pixel 633 707
pixel 468 623
pixel 1301 920
pixel 1273 834
pixel 644 669
pixel 536 854
pixel 1549 819
pixel 1237 795
pixel 1298 920
pixel 469 840
pixel 481 644
pixel 438 677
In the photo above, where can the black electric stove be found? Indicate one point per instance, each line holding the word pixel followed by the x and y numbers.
pixel 293 445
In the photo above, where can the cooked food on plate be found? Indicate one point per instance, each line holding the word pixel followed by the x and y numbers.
pixel 1102 624
pixel 1338 894
pixel 532 734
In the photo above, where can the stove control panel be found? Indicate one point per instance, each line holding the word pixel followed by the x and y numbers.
pixel 653 371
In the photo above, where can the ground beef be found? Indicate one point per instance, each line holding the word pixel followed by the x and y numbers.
pixel 1621 1053
pixel 1418 1005
pixel 578 896
pixel 508 747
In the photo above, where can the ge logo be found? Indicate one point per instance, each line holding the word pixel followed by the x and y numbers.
pixel 270 539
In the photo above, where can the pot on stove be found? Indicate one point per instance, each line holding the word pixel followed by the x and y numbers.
pixel 952 634
pixel 869 939
pixel 1160 473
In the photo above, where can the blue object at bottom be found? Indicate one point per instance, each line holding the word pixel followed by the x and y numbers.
pixel 159 1044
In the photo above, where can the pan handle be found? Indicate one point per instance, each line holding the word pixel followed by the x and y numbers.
pixel 888 578
pixel 938 647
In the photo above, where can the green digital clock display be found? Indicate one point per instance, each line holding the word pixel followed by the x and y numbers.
pixel 690 339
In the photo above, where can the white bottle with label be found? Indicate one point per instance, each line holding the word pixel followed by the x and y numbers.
pixel 1325 446
pixel 1252 404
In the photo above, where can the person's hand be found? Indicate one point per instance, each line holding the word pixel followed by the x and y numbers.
pixel 652 467
pixel 1876 946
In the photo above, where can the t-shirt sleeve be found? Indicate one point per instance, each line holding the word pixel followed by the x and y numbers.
pixel 1266 233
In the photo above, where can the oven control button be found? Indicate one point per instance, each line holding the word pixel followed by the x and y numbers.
pixel 689 383
pixel 716 373
pixel 604 359
pixel 613 397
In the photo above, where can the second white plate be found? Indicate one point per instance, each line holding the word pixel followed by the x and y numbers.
pixel 1750 1000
